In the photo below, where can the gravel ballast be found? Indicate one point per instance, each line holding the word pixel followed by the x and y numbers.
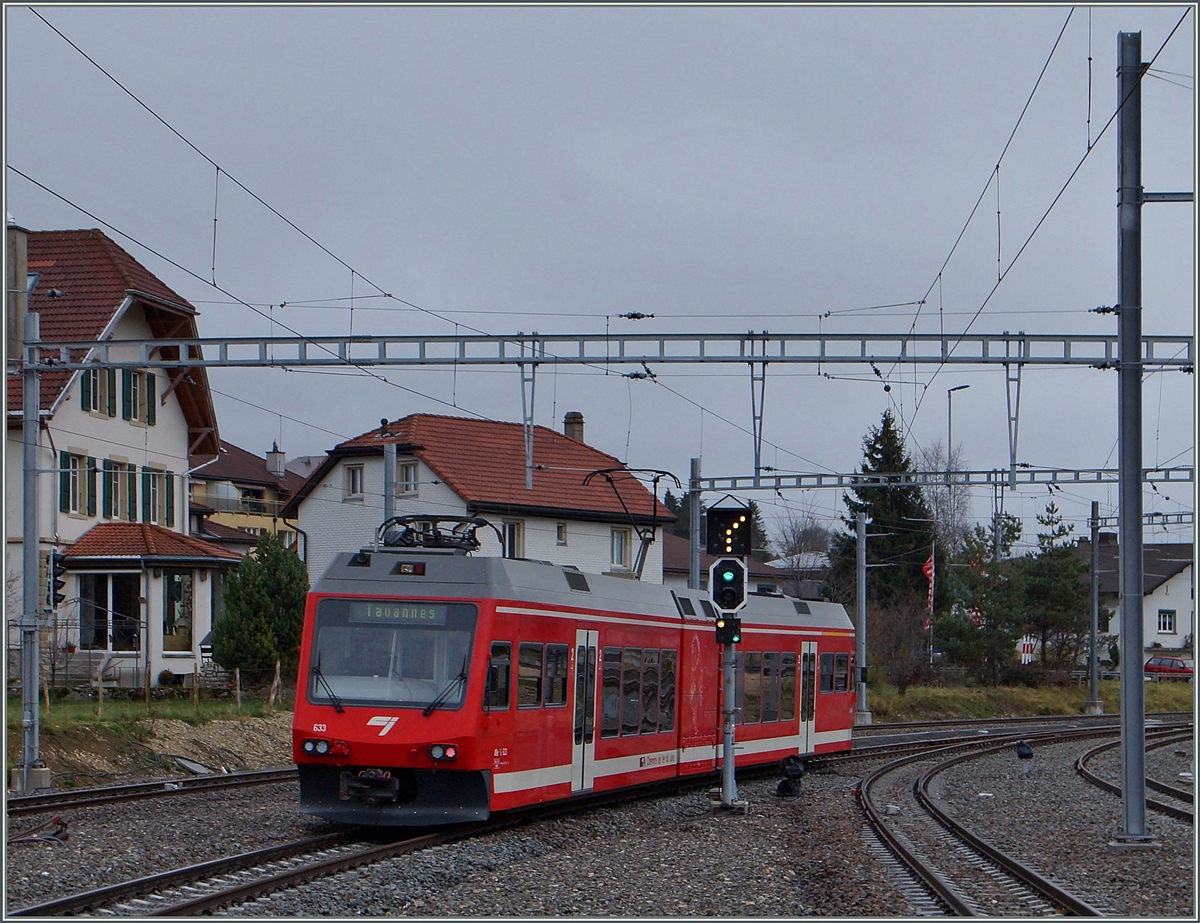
pixel 801 856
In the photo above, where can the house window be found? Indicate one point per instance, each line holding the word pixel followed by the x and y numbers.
pixel 253 500
pixel 109 612
pixel 354 482
pixel 158 496
pixel 1166 621
pixel 76 484
pixel 514 540
pixel 406 478
pixel 560 533
pixel 138 403
pixel 119 491
pixel 620 548
pixel 98 391
pixel 177 611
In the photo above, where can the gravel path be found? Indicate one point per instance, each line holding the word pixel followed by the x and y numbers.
pixel 803 856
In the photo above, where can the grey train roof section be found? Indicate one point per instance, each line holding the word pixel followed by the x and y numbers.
pixel 372 571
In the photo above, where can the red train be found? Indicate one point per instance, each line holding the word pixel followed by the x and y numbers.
pixel 436 687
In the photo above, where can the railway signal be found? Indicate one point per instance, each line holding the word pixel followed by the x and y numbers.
pixel 729 629
pixel 56 580
pixel 729 531
pixel 727 584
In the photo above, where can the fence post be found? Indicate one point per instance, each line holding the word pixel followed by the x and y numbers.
pixel 196 686
pixel 273 697
pixel 100 689
pixel 46 689
pixel 237 687
pixel 147 687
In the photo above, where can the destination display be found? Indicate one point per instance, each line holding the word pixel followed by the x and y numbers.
pixel 398 613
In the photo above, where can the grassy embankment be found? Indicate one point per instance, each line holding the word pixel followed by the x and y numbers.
pixel 933 702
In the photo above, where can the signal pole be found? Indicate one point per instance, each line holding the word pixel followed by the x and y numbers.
pixel 862 714
pixel 730 533
pixel 1094 705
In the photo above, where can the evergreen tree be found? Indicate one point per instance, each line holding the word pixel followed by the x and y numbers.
pixel 760 539
pixel 681 506
pixel 900 530
pixel 264 611
pixel 982 629
pixel 1057 598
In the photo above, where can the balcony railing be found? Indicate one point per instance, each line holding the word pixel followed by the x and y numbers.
pixel 250 505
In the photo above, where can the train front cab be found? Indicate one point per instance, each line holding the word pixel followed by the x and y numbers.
pixel 385 732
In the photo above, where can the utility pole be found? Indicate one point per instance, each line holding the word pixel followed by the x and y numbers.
pixel 694 526
pixel 1133 834
pixel 862 714
pixel 1094 705
pixel 32 772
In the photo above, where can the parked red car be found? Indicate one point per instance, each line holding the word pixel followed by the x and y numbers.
pixel 1168 667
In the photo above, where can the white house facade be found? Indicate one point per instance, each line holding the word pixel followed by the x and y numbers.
pixel 449 466
pixel 112 457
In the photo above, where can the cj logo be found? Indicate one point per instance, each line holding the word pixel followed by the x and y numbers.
pixel 382 721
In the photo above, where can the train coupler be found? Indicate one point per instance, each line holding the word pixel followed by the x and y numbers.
pixel 371 785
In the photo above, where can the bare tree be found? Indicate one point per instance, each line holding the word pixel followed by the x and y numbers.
pixel 803 535
pixel 950 504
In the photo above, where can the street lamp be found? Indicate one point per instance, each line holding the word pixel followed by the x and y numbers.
pixel 950 422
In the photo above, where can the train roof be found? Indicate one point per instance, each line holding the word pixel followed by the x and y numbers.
pixel 541 582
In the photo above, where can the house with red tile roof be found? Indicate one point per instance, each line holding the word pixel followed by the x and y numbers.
pixel 454 466
pixel 243 491
pixel 113 449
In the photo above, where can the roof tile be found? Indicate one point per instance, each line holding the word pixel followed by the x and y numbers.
pixel 141 539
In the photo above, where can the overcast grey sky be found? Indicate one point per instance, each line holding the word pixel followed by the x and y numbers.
pixel 725 169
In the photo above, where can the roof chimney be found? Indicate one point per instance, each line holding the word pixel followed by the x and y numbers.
pixel 573 425
pixel 277 461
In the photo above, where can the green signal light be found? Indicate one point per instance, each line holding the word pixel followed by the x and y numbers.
pixel 727 575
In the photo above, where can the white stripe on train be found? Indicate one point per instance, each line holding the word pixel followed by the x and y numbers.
pixel 527 779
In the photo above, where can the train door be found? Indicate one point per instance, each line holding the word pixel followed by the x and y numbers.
pixel 808 695
pixel 583 747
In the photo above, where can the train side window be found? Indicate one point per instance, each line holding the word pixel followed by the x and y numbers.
pixel 529 676
pixel 827 672
pixel 498 678
pixel 555 683
pixel 770 709
pixel 787 687
pixel 631 692
pixel 752 710
pixel 610 719
pixel 666 692
pixel 841 672
pixel 649 691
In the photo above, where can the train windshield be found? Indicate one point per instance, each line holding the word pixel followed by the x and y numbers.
pixel 391 652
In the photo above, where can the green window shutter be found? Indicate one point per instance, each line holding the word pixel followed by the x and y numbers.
pixel 106 490
pixel 131 492
pixel 126 394
pixel 151 403
pixel 85 389
pixel 112 391
pixel 91 486
pixel 169 485
pixel 146 494
pixel 64 482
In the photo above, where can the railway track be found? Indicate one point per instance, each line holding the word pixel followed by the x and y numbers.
pixel 1164 807
pixel 929 843
pixel 18 805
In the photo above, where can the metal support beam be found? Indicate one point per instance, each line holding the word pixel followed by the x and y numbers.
pixel 930 349
pixel 528 380
pixel 758 394
pixel 389 480
pixel 1133 833
pixel 1012 394
pixel 1036 477
pixel 694 526
pixel 862 713
pixel 31 655
pixel 1094 705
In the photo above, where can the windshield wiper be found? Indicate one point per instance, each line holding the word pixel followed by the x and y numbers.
pixel 333 696
pixel 445 693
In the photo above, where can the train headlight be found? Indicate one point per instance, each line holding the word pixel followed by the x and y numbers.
pixel 443 752
pixel 315 745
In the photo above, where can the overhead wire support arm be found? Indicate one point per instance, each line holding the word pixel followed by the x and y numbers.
pixel 628 349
